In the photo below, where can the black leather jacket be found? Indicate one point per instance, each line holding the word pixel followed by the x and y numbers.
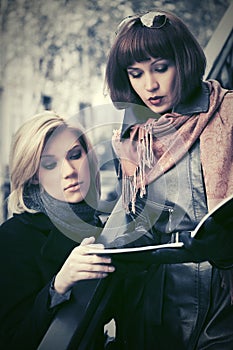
pixel 173 306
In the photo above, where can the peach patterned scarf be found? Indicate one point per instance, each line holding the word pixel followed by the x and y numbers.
pixel 157 145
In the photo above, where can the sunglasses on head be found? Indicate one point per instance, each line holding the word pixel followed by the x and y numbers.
pixel 151 19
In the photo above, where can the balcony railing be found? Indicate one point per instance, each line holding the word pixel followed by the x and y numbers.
pixel 219 52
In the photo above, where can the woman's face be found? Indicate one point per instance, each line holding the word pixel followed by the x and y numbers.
pixel 64 168
pixel 154 80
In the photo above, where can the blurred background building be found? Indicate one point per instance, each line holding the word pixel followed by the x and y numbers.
pixel 53 55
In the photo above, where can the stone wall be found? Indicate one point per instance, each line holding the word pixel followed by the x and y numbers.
pixel 53 53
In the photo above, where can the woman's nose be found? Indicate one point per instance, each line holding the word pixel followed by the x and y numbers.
pixel 67 168
pixel 151 82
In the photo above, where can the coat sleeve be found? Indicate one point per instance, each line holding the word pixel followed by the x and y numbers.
pixel 24 292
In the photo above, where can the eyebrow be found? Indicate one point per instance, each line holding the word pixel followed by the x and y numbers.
pixel 76 145
pixel 132 68
pixel 47 156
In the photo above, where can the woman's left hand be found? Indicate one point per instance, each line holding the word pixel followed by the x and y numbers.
pixel 81 265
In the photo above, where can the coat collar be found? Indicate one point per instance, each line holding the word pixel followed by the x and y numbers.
pixel 198 104
pixel 57 246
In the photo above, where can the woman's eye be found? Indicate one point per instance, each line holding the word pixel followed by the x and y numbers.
pixel 49 166
pixel 134 74
pixel 75 154
pixel 161 68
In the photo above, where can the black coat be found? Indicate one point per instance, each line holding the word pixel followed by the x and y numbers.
pixel 32 252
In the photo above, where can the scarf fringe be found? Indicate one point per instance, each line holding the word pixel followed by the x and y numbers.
pixel 131 184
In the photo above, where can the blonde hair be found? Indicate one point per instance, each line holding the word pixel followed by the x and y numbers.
pixel 26 149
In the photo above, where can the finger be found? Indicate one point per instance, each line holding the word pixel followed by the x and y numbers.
pixel 96 246
pixel 81 254
pixel 91 275
pixel 88 240
pixel 102 268
pixel 89 268
pixel 95 259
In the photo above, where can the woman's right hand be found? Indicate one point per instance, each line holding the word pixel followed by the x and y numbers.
pixel 80 265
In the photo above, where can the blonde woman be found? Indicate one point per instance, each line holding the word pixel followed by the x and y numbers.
pixel 45 244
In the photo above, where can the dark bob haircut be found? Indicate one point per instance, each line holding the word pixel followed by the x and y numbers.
pixel 136 42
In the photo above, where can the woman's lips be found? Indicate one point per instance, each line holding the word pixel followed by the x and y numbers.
pixel 156 101
pixel 73 187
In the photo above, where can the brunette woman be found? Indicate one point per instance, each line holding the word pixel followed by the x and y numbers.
pixel 175 156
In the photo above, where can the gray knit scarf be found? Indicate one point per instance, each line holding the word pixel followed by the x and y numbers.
pixel 77 221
